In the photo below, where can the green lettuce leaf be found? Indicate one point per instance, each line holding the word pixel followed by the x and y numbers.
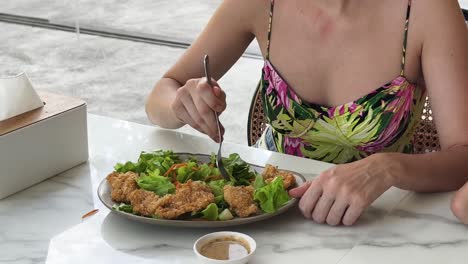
pixel 210 212
pixel 158 160
pixel 217 187
pixel 123 207
pixel 195 172
pixel 272 196
pixel 206 170
pixel 239 170
pixel 150 161
pixel 213 159
pixel 156 183
pixel 130 166
pixel 187 173
pixel 259 182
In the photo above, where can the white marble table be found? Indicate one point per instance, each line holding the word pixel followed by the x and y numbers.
pixel 400 226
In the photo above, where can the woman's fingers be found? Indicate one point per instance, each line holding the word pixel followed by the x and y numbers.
pixel 201 103
pixel 322 209
pixel 208 117
pixel 208 94
pixel 298 192
pixel 342 193
pixel 336 214
pixel 184 116
pixel 220 94
pixel 309 200
pixel 196 104
pixel 352 214
pixel 199 121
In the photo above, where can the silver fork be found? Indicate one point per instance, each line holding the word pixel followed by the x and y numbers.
pixel 219 157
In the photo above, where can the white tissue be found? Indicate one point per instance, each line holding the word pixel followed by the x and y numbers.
pixel 17 96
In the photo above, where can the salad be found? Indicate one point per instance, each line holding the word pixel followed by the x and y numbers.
pixel 162 185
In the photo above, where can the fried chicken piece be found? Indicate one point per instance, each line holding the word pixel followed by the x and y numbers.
pixel 240 200
pixel 143 202
pixel 271 172
pixel 122 185
pixel 192 196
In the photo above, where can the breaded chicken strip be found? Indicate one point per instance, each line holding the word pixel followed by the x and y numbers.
pixel 271 172
pixel 143 202
pixel 192 196
pixel 122 185
pixel 240 200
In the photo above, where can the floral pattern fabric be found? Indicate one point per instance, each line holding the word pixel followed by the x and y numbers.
pixel 383 120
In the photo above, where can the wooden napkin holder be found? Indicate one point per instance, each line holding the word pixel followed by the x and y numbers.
pixel 41 143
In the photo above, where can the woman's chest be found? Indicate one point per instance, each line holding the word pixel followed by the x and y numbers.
pixel 332 61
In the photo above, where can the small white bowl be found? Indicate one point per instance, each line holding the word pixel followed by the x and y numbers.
pixel 209 237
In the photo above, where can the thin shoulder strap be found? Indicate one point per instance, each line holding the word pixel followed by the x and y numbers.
pixel 405 39
pixel 270 24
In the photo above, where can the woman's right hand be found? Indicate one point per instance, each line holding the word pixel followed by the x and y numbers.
pixel 196 103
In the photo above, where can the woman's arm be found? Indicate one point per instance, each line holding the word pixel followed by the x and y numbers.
pixel 445 67
pixel 225 38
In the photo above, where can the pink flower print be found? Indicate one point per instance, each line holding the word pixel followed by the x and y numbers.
pixel 275 82
pixel 342 110
pixel 401 107
pixel 294 96
pixel 267 77
pixel 267 71
pixel 292 146
pixel 282 91
pixel 398 81
pixel 331 112
pixel 352 107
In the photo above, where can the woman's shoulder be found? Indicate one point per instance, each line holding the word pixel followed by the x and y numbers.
pixel 437 13
pixel 253 13
pixel 432 18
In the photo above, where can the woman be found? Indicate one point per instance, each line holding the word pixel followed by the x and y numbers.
pixel 320 54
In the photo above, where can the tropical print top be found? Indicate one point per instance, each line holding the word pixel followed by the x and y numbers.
pixel 382 121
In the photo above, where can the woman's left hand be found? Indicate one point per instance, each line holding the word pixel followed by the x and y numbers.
pixel 342 193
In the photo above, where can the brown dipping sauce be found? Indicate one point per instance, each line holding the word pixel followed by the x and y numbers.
pixel 226 248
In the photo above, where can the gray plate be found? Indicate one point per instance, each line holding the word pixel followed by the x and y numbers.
pixel 104 193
